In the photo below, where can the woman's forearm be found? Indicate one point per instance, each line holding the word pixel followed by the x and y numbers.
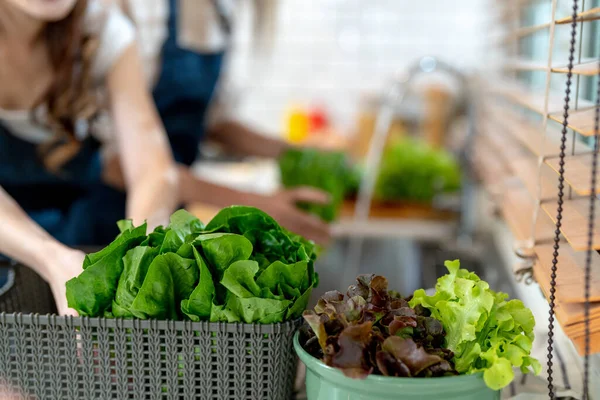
pixel 24 240
pixel 148 169
pixel 240 139
pixel 195 190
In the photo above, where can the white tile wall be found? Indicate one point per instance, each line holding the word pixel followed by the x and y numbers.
pixel 331 51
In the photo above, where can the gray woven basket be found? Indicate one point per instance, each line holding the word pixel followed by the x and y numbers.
pixel 51 357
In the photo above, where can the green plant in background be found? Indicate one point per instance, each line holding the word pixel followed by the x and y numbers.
pixel 241 267
pixel 412 170
pixel 328 171
pixel 485 331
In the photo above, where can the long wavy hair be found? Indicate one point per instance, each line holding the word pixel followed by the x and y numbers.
pixel 71 100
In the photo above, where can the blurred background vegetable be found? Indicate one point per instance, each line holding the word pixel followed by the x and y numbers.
pixel 328 171
pixel 414 171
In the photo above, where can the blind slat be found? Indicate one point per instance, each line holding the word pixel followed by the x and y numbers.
pixel 526 169
pixel 534 101
pixel 581 121
pixel 586 68
pixel 589 15
pixel 529 134
pixel 578 172
pixel 574 224
pixel 569 283
pixel 517 209
pixel 571 315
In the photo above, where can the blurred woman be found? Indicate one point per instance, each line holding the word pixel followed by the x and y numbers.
pixel 184 43
pixel 64 62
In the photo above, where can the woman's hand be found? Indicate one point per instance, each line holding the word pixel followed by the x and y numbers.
pixel 26 242
pixel 283 207
pixel 62 264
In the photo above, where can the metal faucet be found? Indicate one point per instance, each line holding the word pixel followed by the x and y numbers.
pixel 393 98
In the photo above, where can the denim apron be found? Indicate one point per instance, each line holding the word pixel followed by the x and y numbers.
pixel 73 206
pixel 185 87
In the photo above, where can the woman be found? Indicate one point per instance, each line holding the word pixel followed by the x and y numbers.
pixel 57 55
pixel 183 44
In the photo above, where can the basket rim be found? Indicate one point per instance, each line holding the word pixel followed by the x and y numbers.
pixel 70 322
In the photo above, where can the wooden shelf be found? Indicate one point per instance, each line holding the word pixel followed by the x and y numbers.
pixel 578 172
pixel 581 121
pixel 570 274
pixel 589 15
pixel 574 222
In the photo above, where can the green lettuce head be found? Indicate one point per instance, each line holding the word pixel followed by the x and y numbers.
pixel 487 332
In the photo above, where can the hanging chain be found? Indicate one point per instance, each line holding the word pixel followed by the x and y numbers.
pixel 588 259
pixel 559 210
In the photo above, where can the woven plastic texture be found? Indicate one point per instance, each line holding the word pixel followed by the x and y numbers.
pixel 29 293
pixel 51 357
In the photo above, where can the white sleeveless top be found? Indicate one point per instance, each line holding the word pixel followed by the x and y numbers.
pixel 116 34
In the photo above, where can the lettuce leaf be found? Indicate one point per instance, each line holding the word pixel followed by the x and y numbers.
pixel 92 292
pixel 170 279
pixel 182 224
pixel 198 306
pixel 485 331
pixel 136 263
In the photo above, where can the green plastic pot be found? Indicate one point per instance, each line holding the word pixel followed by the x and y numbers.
pixel 327 383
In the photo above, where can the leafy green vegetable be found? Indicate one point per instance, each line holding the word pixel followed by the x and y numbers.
pixel 92 292
pixel 291 275
pixel 374 331
pixel 156 238
pixel 169 280
pixel 485 331
pixel 136 263
pixel 182 224
pixel 255 309
pixel 239 279
pixel 412 170
pixel 128 235
pixel 243 267
pixel 328 171
pixel 222 249
pixel 156 297
pixel 198 306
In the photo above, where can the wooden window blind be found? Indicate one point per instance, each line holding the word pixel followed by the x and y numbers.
pixel 518 143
